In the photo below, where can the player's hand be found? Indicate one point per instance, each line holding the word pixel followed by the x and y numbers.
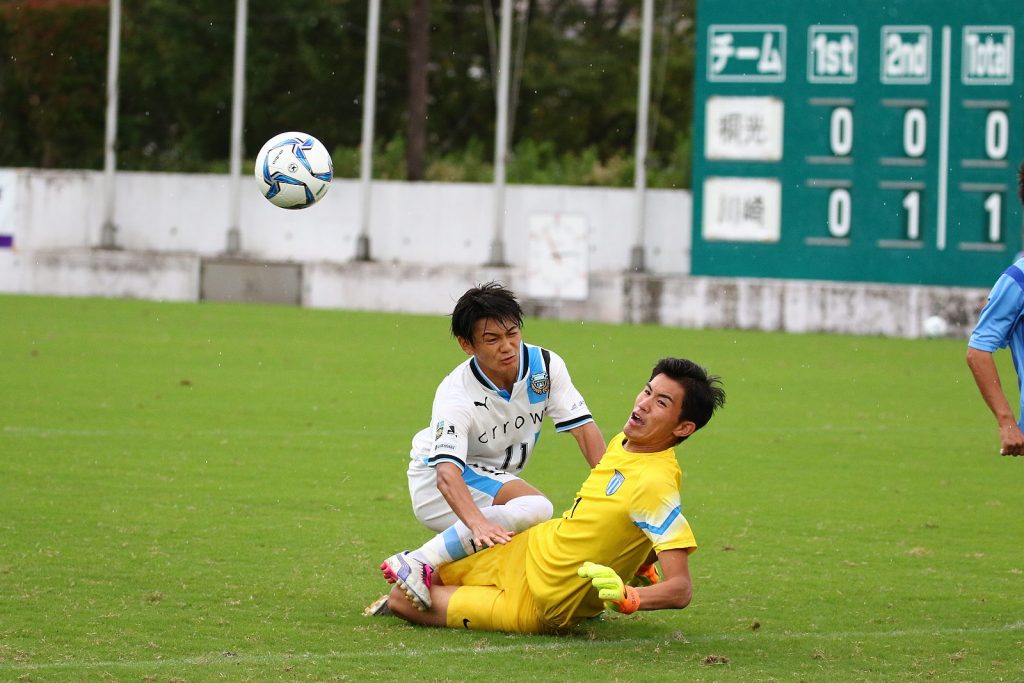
pixel 616 595
pixel 646 575
pixel 488 534
pixel 1012 440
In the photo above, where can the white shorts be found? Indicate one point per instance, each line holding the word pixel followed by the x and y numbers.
pixel 433 510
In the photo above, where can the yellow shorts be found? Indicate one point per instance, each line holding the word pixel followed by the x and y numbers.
pixel 493 594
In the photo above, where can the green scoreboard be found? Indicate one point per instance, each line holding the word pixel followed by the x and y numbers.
pixel 865 140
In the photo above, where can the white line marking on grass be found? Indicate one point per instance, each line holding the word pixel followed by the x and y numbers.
pixel 555 643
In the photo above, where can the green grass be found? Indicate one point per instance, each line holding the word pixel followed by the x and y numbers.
pixel 203 492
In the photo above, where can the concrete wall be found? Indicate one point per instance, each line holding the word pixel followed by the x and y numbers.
pixel 426 223
pixel 428 241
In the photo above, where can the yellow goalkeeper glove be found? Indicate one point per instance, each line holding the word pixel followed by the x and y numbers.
pixel 616 595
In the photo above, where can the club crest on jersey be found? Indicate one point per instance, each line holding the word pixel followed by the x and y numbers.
pixel 439 430
pixel 539 383
pixel 614 484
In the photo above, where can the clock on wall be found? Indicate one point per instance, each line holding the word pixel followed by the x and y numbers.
pixel 557 250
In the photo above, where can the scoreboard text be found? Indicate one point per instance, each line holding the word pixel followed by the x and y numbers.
pixel 874 141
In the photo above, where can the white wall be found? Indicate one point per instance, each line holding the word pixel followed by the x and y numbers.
pixel 423 223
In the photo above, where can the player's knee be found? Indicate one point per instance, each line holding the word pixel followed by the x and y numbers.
pixel 544 509
pixel 536 509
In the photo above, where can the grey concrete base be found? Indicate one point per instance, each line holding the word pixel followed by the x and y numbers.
pixel 244 281
pixel 615 297
pixel 111 273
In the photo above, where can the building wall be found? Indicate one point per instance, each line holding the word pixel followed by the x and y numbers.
pixel 424 223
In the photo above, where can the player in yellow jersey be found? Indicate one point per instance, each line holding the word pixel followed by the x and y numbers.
pixel 544 579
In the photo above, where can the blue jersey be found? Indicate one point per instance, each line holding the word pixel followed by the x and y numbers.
pixel 999 324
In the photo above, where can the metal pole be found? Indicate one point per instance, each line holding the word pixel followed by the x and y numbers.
pixel 234 238
pixel 369 105
pixel 501 135
pixel 640 172
pixel 108 234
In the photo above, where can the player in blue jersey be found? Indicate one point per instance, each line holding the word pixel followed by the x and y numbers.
pixel 485 422
pixel 1001 324
pixel 543 580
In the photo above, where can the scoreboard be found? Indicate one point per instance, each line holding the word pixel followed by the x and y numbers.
pixel 871 141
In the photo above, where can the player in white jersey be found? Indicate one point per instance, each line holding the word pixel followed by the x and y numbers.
pixel 489 433
pixel 485 423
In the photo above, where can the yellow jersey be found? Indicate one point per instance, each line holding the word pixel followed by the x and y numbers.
pixel 628 505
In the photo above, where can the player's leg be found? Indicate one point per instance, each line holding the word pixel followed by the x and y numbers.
pixel 493 594
pixel 436 615
pixel 519 488
pixel 477 608
pixel 504 499
pixel 480 570
pixel 523 507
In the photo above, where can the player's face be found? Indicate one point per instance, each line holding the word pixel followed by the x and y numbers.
pixel 654 424
pixel 495 344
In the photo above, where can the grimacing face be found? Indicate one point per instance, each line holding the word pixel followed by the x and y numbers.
pixel 654 424
pixel 496 345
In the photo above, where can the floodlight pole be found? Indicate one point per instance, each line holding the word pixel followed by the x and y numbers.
pixel 640 170
pixel 369 106
pixel 501 135
pixel 234 237
pixel 108 233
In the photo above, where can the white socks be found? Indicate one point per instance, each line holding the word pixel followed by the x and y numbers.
pixel 456 542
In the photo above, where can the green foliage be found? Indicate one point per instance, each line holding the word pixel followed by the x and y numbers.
pixel 531 163
pixel 466 165
pixel 52 60
pixel 203 492
pixel 574 88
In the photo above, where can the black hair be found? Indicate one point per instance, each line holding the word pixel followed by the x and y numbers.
pixel 703 393
pixel 490 300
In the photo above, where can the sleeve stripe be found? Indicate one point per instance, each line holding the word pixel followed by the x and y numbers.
pixel 1015 273
pixel 644 526
pixel 433 462
pixel 573 423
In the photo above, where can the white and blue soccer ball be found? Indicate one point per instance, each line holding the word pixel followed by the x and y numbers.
pixel 294 170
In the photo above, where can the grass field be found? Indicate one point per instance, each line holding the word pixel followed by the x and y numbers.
pixel 204 492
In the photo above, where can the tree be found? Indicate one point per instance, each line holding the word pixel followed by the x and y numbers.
pixel 419 56
pixel 575 61
pixel 52 82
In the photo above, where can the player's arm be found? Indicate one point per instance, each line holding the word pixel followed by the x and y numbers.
pixel 453 487
pixel 986 375
pixel 676 588
pixel 591 442
pixel 568 410
pixel 672 592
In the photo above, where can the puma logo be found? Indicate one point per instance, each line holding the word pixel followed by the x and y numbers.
pixel 484 404
pixel 465 623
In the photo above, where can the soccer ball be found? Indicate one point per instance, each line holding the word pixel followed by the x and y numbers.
pixel 294 170
pixel 934 326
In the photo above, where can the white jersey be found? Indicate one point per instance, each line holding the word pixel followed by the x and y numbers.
pixel 473 423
